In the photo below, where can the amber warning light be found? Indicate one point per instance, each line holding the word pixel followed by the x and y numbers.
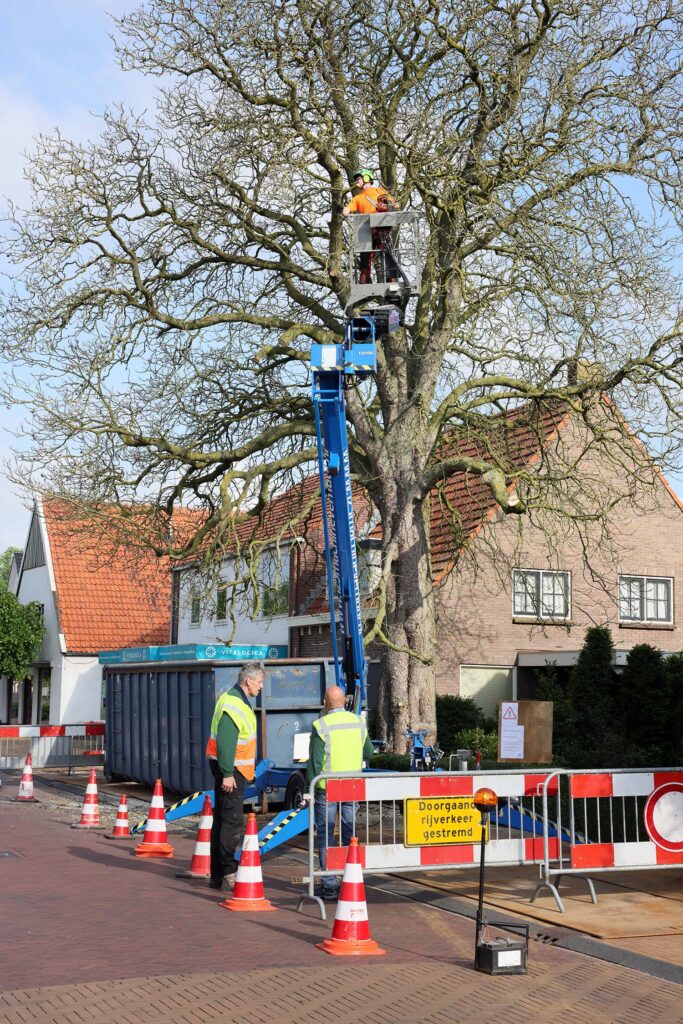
pixel 485 800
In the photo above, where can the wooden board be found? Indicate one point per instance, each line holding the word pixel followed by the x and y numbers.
pixel 537 718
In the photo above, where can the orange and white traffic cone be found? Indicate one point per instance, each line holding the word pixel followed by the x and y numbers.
pixel 248 892
pixel 25 794
pixel 351 929
pixel 90 815
pixel 154 843
pixel 200 865
pixel 121 828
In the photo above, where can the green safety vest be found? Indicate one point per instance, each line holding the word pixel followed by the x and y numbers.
pixel 244 718
pixel 344 735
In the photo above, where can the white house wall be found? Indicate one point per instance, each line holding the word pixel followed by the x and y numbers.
pixel 210 630
pixel 35 585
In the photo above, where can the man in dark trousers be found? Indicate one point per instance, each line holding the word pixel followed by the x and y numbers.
pixel 339 743
pixel 232 755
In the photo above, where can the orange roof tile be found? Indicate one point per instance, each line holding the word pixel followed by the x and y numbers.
pixel 105 599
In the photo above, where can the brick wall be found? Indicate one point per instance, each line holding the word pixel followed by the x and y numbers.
pixel 643 536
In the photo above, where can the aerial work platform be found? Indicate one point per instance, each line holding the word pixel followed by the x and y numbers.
pixel 386 241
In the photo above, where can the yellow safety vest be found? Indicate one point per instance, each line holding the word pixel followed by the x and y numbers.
pixel 244 718
pixel 344 735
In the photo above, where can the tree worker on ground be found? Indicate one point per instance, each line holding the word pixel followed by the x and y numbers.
pixel 373 198
pixel 231 751
pixel 339 743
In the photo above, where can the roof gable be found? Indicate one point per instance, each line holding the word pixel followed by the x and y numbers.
pixel 106 599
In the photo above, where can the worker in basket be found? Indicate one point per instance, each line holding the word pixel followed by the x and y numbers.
pixel 373 198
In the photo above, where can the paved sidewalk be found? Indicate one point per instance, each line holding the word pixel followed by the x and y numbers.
pixel 93 935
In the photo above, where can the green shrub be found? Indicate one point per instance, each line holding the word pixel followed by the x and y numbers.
pixel 592 692
pixel 644 707
pixel 674 668
pixel 391 762
pixel 477 740
pixel 453 714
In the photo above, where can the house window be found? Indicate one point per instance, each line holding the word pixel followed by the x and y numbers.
pixel 195 609
pixel 44 684
pixel 222 602
pixel 646 599
pixel 273 576
pixel 539 594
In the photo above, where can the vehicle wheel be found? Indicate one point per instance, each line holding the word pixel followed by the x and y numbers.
pixel 296 787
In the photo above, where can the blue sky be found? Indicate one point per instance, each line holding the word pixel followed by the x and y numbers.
pixel 57 68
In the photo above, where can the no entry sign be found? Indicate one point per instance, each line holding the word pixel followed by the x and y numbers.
pixel 664 817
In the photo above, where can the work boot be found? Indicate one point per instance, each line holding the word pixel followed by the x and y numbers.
pixel 224 883
pixel 327 893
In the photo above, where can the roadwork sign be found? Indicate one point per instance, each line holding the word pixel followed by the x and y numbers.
pixel 440 821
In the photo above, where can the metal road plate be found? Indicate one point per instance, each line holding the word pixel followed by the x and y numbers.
pixel 441 821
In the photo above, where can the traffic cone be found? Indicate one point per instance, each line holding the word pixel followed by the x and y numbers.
pixel 25 794
pixel 154 843
pixel 351 929
pixel 248 892
pixel 90 815
pixel 121 828
pixel 200 865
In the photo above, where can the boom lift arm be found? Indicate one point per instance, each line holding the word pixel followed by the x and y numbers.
pixel 335 368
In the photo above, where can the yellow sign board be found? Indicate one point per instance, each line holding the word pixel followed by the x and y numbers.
pixel 440 821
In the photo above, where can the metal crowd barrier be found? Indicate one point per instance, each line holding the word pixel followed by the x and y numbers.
pixel 378 803
pixel 619 820
pixel 52 746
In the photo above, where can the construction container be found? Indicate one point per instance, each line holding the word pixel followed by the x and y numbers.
pixel 158 716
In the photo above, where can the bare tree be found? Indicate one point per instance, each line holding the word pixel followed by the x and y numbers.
pixel 173 273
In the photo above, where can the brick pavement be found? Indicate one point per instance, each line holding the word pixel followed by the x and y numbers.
pixel 97 936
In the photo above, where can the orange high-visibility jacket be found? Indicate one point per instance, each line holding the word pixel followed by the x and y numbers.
pixel 244 718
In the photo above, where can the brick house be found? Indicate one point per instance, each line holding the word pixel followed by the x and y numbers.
pixel 92 600
pixel 513 593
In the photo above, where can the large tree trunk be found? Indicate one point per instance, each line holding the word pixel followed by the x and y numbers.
pixel 407 681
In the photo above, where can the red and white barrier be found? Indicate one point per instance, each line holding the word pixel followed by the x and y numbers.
pixel 52 746
pixel 396 856
pixel 35 731
pixel 619 820
pixel 663 842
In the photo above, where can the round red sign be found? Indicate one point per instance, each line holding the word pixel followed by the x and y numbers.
pixel 664 817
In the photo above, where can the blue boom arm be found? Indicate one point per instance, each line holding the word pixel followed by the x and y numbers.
pixel 332 366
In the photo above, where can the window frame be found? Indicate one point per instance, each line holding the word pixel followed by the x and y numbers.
pixel 538 615
pixel 272 598
pixel 221 599
pixel 195 601
pixel 644 580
